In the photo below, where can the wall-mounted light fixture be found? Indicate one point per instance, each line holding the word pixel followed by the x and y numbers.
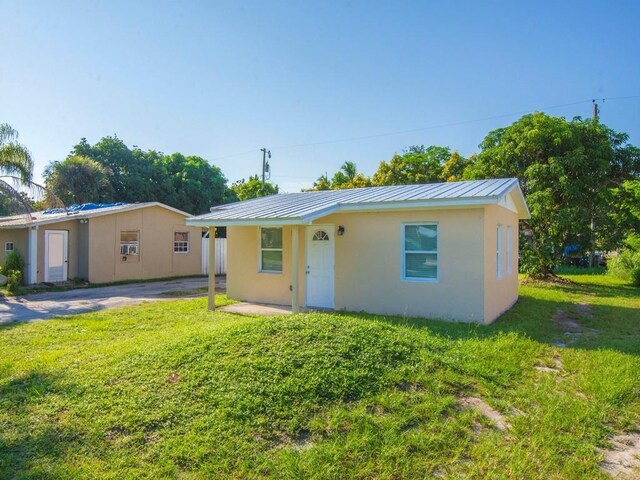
pixel 340 230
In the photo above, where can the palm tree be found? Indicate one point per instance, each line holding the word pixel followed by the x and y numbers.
pixel 16 171
pixel 350 170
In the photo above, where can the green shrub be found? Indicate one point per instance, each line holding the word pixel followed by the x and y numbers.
pixel 626 266
pixel 13 261
pixel 14 279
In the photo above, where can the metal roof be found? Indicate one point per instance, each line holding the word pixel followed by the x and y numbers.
pixel 41 218
pixel 304 207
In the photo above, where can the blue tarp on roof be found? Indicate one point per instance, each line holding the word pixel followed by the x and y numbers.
pixel 82 208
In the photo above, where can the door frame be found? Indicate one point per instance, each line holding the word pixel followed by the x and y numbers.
pixel 65 254
pixel 307 243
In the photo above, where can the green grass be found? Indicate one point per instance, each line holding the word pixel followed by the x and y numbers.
pixel 170 390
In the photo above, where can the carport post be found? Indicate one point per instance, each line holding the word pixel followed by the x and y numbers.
pixel 212 268
pixel 295 231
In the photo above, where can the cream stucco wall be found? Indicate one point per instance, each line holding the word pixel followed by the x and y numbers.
pixel 19 237
pixel 156 258
pixel 499 293
pixel 369 265
pixel 244 280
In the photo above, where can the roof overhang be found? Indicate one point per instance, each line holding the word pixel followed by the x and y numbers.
pixel 519 207
pixel 89 214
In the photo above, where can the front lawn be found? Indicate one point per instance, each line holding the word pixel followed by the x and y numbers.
pixel 169 390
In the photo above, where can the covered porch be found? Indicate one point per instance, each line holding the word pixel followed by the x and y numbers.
pixel 276 264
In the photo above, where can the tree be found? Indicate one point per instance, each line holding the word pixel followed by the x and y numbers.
pixel 417 164
pixel 79 179
pixel 197 185
pixel 252 188
pixel 16 171
pixel 568 171
pixel 347 177
pixel 454 168
pixel 188 183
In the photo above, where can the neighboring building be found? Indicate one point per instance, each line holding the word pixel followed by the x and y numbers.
pixel 108 244
pixel 447 250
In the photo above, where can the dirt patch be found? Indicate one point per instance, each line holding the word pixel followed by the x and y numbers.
pixel 302 441
pixel 173 378
pixel 584 310
pixel 566 323
pixel 487 410
pixel 622 460
pixel 409 387
pixel 555 366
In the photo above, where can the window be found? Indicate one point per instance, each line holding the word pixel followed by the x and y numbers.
pixel 129 243
pixel 271 250
pixel 509 250
pixel 420 252
pixel 499 253
pixel 320 236
pixel 8 247
pixel 181 242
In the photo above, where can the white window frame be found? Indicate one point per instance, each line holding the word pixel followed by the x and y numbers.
pixel 136 244
pixel 499 251
pixel 509 258
pixel 403 273
pixel 6 247
pixel 260 250
pixel 181 243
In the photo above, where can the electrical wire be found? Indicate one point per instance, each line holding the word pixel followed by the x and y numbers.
pixel 421 129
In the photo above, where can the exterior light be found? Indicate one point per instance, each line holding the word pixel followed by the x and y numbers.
pixel 341 230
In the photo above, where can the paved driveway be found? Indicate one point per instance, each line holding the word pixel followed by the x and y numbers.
pixel 40 306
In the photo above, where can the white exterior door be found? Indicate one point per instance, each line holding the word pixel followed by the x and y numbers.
pixel 320 266
pixel 56 244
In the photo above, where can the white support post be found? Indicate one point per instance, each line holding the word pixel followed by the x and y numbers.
pixel 295 307
pixel 212 268
pixel 32 246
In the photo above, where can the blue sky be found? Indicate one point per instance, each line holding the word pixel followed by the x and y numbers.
pixel 216 79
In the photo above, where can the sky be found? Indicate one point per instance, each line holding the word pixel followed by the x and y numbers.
pixel 317 83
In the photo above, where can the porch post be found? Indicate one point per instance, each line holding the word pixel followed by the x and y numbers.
pixel 212 268
pixel 32 257
pixel 295 231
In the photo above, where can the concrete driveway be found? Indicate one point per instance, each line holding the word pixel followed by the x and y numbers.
pixel 40 306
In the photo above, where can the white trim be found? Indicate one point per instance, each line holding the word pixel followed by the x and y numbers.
pixel 499 251
pixel 188 242
pixel 32 247
pixel 260 250
pixel 65 254
pixel 509 250
pixel 403 252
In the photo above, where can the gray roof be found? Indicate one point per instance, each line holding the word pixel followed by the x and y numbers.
pixel 304 207
pixel 41 218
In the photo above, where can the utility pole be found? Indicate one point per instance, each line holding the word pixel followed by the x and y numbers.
pixel 265 166
pixel 592 253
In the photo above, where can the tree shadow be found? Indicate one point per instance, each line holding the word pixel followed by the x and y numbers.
pixel 606 327
pixel 28 446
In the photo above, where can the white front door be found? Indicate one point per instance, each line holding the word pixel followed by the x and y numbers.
pixel 55 255
pixel 320 266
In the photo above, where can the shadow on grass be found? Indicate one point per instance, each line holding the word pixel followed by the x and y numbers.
pixel 28 447
pixel 604 327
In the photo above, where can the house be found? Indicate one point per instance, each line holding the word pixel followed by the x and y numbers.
pixel 103 243
pixel 447 250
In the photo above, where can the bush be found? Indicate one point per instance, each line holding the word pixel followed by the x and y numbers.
pixel 626 266
pixel 14 279
pixel 13 261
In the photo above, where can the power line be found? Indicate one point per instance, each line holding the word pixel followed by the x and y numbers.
pixel 420 129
